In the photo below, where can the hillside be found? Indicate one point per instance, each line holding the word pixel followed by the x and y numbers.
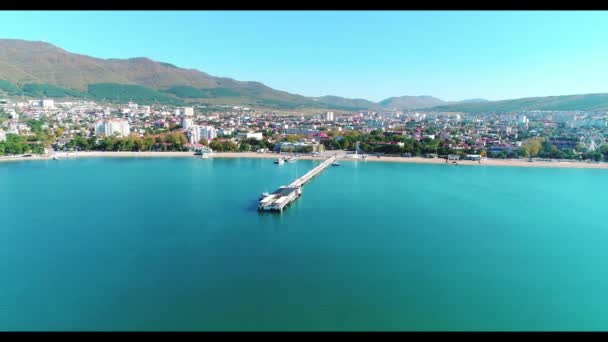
pixel 61 73
pixel 411 102
pixel 588 102
pixel 38 69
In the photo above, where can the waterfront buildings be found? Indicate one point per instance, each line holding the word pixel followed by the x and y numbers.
pixel 109 127
pixel 196 133
pixel 186 123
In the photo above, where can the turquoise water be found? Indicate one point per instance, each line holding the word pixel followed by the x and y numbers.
pixel 177 244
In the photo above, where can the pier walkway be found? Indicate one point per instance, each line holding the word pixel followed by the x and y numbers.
pixel 285 195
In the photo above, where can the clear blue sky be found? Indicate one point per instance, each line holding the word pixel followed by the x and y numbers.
pixel 453 55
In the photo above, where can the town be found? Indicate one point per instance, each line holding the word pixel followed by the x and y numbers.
pixel 43 126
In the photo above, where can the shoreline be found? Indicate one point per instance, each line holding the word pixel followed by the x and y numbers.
pixel 412 160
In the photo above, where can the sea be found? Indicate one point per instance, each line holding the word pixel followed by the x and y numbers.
pixel 177 244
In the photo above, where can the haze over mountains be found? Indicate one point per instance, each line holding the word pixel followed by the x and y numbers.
pixel 40 69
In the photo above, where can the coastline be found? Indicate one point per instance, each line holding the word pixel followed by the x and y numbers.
pixel 413 160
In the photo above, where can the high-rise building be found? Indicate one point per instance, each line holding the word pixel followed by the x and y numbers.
pixel 208 132
pixel 112 126
pixel 196 133
pixel 329 116
pixel 188 111
pixel 186 122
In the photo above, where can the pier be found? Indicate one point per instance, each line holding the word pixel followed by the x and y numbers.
pixel 287 194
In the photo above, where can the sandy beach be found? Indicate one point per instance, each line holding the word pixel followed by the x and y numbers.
pixel 415 160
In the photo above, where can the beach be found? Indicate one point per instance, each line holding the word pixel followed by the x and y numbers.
pixel 342 156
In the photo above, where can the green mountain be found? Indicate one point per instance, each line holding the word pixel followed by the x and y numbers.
pixel 38 69
pixel 41 69
pixel 588 102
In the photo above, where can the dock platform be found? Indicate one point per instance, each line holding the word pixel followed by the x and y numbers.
pixel 285 195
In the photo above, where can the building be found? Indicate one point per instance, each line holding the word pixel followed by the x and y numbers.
pixel 186 123
pixel 146 110
pixel 48 103
pixel 248 135
pixel 110 127
pixel 208 132
pixel 563 144
pixel 2 136
pixel 302 147
pixel 224 132
pixel 329 116
pixel 196 133
pixel 300 131
pixel 188 111
pixel 523 120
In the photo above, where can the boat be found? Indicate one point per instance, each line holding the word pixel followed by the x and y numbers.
pixel 55 158
pixel 291 159
pixel 204 155
pixel 279 161
pixel 335 163
pixel 264 195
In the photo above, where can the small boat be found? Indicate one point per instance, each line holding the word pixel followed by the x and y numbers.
pixel 55 158
pixel 264 195
pixel 335 163
pixel 292 159
pixel 204 155
pixel 279 161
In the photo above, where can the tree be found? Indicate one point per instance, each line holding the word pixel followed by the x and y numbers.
pixel 532 147
pixel 203 141
pixel 244 147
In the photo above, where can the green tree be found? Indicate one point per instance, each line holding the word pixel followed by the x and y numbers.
pixel 244 147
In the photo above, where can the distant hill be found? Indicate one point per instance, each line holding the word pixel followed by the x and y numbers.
pixel 38 69
pixel 590 102
pixel 41 69
pixel 411 102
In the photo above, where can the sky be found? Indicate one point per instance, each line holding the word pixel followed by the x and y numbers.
pixel 452 55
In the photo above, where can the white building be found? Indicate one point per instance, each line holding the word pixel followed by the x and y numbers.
pixel 186 123
pixel 177 112
pixel 208 132
pixel 146 110
pixel 196 133
pixel 2 136
pixel 133 106
pixel 329 116
pixel 48 103
pixel 188 111
pixel 247 135
pixel 112 126
pixel 224 131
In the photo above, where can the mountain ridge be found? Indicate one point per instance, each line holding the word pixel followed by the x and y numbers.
pixel 34 68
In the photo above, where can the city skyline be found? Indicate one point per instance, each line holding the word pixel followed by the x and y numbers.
pixel 372 55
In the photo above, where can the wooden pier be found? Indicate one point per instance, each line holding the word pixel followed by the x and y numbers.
pixel 285 195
